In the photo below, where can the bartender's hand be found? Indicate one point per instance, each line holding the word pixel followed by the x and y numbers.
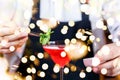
pixel 108 58
pixel 10 37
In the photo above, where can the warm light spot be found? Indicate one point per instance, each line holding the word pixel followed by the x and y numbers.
pixel 12 48
pixel 88 69
pixel 23 29
pixel 82 49
pixel 39 23
pixel 32 57
pixel 79 35
pixel 98 39
pixel 88 32
pixel 73 41
pixel 56 68
pixel 28 77
pixel 33 70
pixel 82 74
pixel 110 36
pixel 45 66
pixel 32 25
pixel 44 28
pixel 64 31
pixel 4 42
pixel 63 54
pixel 28 30
pixel 88 48
pixel 29 70
pixel 67 41
pixel 40 55
pixel 104 27
pixel 84 8
pixel 24 60
pixel 103 71
pixel 105 50
pixel 71 23
pixel 73 68
pixel 53 21
pixel 42 74
pixel 84 38
pixel 65 27
pixel 95 61
pixel 92 38
pixel 66 70
pixel 99 24
pixel 110 21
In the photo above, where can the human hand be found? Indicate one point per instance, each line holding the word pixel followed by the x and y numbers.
pixel 108 58
pixel 8 38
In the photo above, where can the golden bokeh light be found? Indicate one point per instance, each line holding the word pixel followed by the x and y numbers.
pixel 12 48
pixel 24 60
pixel 104 71
pixel 63 54
pixel 45 66
pixel 32 57
pixel 29 77
pixel 66 70
pixel 32 25
pixel 71 23
pixel 82 74
pixel 56 68
pixel 89 69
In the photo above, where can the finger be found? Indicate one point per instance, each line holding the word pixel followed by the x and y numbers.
pixel 16 37
pixel 6 31
pixel 108 52
pixel 5 51
pixel 91 62
pixel 17 43
pixel 107 65
pixel 116 70
pixel 112 67
pixel 113 72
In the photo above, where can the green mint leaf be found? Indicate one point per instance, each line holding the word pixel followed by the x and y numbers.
pixel 45 37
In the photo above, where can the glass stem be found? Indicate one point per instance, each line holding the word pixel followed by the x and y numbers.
pixel 61 73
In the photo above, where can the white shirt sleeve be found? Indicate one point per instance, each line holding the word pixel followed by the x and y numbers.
pixel 21 16
pixel 112 15
pixel 23 12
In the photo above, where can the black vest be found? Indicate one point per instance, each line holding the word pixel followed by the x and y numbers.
pixel 33 47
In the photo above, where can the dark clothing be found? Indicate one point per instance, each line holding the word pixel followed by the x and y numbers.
pixel 34 47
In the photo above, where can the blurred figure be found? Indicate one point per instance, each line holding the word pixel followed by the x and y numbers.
pixel 14 19
pixel 108 54
pixel 66 19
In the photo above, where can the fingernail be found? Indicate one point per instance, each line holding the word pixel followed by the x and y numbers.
pixel 87 62
pixel 94 61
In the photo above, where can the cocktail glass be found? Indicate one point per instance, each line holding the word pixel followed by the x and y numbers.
pixel 56 51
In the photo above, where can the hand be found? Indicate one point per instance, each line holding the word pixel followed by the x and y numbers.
pixel 12 39
pixel 109 57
